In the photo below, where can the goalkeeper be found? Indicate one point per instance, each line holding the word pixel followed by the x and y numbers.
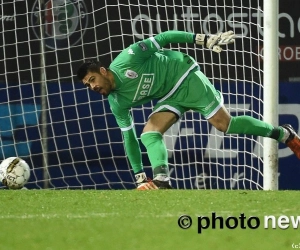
pixel 143 72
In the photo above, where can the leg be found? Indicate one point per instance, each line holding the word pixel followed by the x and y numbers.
pixel 152 138
pixel 160 122
pixel 248 125
pixel 251 126
pixel 209 102
pixel 221 119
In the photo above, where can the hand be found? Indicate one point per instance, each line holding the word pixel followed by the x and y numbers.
pixel 213 42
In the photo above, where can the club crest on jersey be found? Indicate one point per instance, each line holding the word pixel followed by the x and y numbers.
pixel 131 74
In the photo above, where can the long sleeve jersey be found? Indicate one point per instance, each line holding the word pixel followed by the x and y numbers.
pixel 144 72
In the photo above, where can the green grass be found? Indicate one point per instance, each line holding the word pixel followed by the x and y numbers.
pixel 66 219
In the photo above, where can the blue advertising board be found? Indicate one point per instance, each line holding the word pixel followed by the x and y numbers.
pixel 84 153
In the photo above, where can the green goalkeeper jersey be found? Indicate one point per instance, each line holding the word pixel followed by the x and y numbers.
pixel 143 72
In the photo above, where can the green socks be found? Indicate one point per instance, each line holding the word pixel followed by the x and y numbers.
pixel 157 152
pixel 252 126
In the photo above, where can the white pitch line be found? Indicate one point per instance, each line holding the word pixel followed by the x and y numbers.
pixel 81 216
pixel 54 216
pixel 147 215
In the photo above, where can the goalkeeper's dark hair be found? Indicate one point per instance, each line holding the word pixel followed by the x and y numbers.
pixel 89 66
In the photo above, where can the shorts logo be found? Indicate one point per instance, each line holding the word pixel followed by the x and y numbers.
pixel 209 105
pixel 144 87
pixel 131 74
pixel 64 22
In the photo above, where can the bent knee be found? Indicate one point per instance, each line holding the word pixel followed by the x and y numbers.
pixel 222 126
pixel 221 120
pixel 160 122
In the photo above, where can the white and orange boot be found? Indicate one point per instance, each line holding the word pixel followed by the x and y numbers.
pixel 293 141
pixel 144 183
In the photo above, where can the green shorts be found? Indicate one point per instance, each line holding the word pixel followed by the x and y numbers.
pixel 195 93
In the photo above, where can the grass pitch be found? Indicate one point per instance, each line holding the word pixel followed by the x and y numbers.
pixel 69 219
